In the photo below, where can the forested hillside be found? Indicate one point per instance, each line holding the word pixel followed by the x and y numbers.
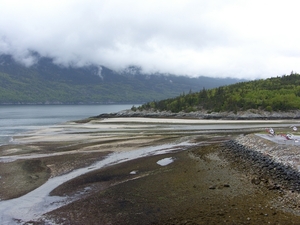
pixel 48 83
pixel 273 94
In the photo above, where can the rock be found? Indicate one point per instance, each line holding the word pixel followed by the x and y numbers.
pixel 255 181
pixel 212 187
pixel 267 160
pixel 34 177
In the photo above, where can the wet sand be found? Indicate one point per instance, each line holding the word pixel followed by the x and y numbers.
pixel 201 185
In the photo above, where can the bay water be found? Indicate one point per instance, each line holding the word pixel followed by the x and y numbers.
pixel 17 119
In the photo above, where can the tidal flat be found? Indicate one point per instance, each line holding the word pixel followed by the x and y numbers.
pixel 107 171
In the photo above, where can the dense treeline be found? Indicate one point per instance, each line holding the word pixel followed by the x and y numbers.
pixel 273 94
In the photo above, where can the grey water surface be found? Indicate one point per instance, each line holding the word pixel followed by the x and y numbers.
pixel 16 119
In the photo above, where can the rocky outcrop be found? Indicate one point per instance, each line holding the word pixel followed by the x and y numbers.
pixel 242 115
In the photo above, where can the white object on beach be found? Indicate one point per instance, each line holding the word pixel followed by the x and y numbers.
pixel 133 172
pixel 165 161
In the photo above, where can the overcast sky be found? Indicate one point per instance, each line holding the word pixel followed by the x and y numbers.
pixel 219 38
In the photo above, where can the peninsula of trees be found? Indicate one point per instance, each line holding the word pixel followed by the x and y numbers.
pixel 272 94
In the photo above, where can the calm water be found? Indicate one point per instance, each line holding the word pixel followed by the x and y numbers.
pixel 17 119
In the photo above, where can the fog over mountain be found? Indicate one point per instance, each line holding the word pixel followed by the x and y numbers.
pixel 240 39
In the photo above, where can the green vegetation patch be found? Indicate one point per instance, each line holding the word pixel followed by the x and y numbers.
pixel 273 94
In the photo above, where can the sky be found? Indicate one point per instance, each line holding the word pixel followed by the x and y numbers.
pixel 249 39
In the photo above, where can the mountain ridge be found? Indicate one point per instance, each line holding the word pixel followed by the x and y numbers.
pixel 48 83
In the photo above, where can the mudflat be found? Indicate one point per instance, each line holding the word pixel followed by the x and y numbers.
pixel 202 184
pixel 200 187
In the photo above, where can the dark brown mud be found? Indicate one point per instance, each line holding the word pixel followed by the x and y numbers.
pixel 201 186
pixel 22 176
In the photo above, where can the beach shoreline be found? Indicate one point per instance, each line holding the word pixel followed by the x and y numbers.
pixel 67 147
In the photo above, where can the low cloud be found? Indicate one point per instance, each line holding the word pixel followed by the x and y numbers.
pixel 243 39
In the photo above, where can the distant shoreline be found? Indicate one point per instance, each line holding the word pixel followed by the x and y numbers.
pixel 241 115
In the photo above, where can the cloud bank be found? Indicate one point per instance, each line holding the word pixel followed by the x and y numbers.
pixel 234 38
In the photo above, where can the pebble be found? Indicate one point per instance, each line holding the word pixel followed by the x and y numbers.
pixel 212 187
